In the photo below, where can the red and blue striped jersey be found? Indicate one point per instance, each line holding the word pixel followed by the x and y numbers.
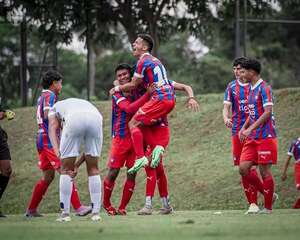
pixel 294 149
pixel 151 70
pixel 120 118
pixel 46 100
pixel 260 96
pixel 236 95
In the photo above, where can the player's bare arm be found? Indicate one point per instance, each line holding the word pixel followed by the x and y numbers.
pixel 135 82
pixel 285 168
pixel 226 115
pixel 191 102
pixel 54 126
pixel 245 126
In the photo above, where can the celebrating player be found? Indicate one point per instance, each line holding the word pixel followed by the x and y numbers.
pixel 122 151
pixel 294 150
pixel 236 98
pixel 149 70
pixel 48 161
pixel 80 121
pixel 258 132
pixel 5 158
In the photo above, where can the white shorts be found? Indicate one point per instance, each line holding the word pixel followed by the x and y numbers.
pixel 81 127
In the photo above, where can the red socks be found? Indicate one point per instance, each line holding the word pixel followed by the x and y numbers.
pixel 75 201
pixel 297 204
pixel 254 180
pixel 151 181
pixel 137 139
pixel 108 188
pixel 162 181
pixel 37 194
pixel 127 193
pixel 268 184
pixel 250 190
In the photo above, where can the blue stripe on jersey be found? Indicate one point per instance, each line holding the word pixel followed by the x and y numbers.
pixel 40 141
pixel 113 120
pixel 52 99
pixel 236 110
pixel 242 97
pixel 49 142
pixel 160 94
pixel 256 112
pixel 123 124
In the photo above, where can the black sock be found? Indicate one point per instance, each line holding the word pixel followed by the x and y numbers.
pixel 3 183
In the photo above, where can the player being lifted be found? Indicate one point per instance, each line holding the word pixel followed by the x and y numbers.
pixel 236 98
pixel 48 161
pixel 294 150
pixel 149 70
pixel 258 132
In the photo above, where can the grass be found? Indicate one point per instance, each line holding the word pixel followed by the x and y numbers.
pixel 181 225
pixel 198 160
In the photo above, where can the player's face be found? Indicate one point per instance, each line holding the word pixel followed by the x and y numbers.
pixel 236 71
pixel 57 86
pixel 244 74
pixel 123 76
pixel 138 47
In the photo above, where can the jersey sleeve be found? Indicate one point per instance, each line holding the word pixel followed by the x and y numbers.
pixel 291 149
pixel 52 111
pixel 118 97
pixel 140 69
pixel 228 95
pixel 267 96
pixel 49 101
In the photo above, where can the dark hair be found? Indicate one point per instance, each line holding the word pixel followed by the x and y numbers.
pixel 122 66
pixel 238 61
pixel 148 39
pixel 252 64
pixel 49 77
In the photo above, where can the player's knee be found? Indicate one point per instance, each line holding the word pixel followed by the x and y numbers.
pixel 298 186
pixel 112 174
pixel 243 170
pixel 7 171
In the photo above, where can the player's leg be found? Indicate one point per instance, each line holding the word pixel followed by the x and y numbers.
pixel 108 185
pixel 297 183
pixel 268 185
pixel 128 189
pixel 38 192
pixel 5 172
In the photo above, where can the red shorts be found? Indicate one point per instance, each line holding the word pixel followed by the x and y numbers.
pixel 153 110
pixel 48 159
pixel 260 151
pixel 156 135
pixel 237 147
pixel 297 175
pixel 121 153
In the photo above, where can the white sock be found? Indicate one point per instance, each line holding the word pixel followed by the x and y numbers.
pixel 95 192
pixel 149 201
pixel 65 191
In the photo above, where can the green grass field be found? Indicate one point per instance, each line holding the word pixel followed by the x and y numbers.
pixel 198 160
pixel 231 225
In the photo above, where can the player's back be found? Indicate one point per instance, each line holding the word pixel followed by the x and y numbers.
pixel 294 149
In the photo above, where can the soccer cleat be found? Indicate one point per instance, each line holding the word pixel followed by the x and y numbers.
pixel 64 217
pixel 110 210
pixel 145 211
pixel 95 217
pixel 121 212
pixel 83 211
pixel 265 211
pixel 275 198
pixel 139 163
pixel 253 209
pixel 158 151
pixel 32 214
pixel 166 210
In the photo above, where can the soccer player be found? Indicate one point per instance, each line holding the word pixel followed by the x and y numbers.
pixel 157 138
pixel 80 121
pixel 149 70
pixel 259 134
pixel 122 151
pixel 48 161
pixel 236 98
pixel 5 158
pixel 294 150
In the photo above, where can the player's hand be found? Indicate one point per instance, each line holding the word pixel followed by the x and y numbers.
pixel 283 177
pixel 2 115
pixel 151 88
pixel 116 83
pixel 244 134
pixel 112 91
pixel 193 104
pixel 73 173
pixel 228 122
pixel 9 114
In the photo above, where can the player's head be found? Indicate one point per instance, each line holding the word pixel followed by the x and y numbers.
pixel 123 73
pixel 143 43
pixel 52 80
pixel 236 66
pixel 250 69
